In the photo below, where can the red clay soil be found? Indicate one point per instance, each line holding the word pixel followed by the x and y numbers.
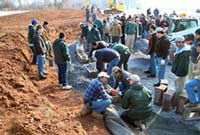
pixel 29 106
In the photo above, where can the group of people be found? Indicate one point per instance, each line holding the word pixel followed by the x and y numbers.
pixel 111 42
pixel 40 44
pixel 115 50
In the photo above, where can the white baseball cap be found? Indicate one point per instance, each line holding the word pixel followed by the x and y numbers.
pixel 134 77
pixel 103 74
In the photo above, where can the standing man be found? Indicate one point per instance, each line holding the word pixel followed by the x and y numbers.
pixel 137 101
pixel 124 54
pixel 40 51
pixel 61 58
pixel 162 51
pixel 31 33
pixel 151 51
pixel 96 97
pixel 181 62
pixel 115 31
pixel 46 37
pixel 131 30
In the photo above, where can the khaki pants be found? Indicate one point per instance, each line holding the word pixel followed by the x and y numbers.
pixel 130 41
pixel 191 69
pixel 180 84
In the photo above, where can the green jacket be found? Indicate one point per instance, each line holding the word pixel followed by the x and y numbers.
pixel 61 54
pixel 131 28
pixel 180 66
pixel 93 35
pixel 138 100
pixel 120 48
pixel 31 33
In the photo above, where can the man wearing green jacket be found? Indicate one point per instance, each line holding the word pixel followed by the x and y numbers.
pixel 130 30
pixel 31 34
pixel 124 54
pixel 180 66
pixel 61 56
pixel 137 101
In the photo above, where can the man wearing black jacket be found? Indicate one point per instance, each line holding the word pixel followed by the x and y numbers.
pixel 40 51
pixel 162 51
pixel 97 45
pixel 151 51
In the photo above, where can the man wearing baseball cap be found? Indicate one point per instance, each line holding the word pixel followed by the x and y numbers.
pixel 96 98
pixel 162 51
pixel 137 101
pixel 181 62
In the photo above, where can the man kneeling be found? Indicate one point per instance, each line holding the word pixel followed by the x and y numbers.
pixel 137 100
pixel 95 97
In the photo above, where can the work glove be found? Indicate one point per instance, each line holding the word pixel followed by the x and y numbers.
pixel 162 62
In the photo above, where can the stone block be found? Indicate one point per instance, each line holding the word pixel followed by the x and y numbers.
pixel 159 94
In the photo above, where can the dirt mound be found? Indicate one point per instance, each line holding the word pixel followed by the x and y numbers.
pixel 32 107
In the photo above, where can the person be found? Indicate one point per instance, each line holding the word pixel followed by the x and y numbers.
pixel 96 98
pixel 93 13
pixel 99 24
pixel 61 57
pixel 106 55
pixel 194 53
pixel 124 54
pixel 31 33
pixel 137 101
pixel 162 51
pixel 115 31
pixel 181 62
pixel 46 37
pixel 40 51
pixel 139 28
pixel 87 13
pixel 195 82
pixel 106 31
pixel 121 79
pixel 151 51
pixel 93 35
pixel 130 30
pixel 110 56
pixel 97 45
pixel 123 25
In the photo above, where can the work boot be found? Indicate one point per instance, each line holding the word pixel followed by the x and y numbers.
pixel 150 75
pixel 97 115
pixel 156 84
pixel 190 105
pixel 85 111
pixel 42 77
pixel 147 72
pixel 45 72
pixel 67 87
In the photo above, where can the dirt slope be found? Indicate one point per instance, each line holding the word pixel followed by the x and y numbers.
pixel 29 106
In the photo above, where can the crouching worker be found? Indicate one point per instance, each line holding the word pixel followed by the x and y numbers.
pixel 95 97
pixel 121 79
pixel 194 83
pixel 137 100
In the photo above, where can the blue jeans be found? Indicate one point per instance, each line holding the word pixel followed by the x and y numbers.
pixel 112 64
pixel 62 74
pixel 189 86
pixel 160 68
pixel 152 64
pixel 41 64
pixel 94 17
pixel 100 105
pixel 87 16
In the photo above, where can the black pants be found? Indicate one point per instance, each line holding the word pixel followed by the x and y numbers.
pixel 124 60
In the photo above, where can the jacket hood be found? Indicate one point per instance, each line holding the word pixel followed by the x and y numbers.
pixel 58 40
pixel 136 86
pixel 184 48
